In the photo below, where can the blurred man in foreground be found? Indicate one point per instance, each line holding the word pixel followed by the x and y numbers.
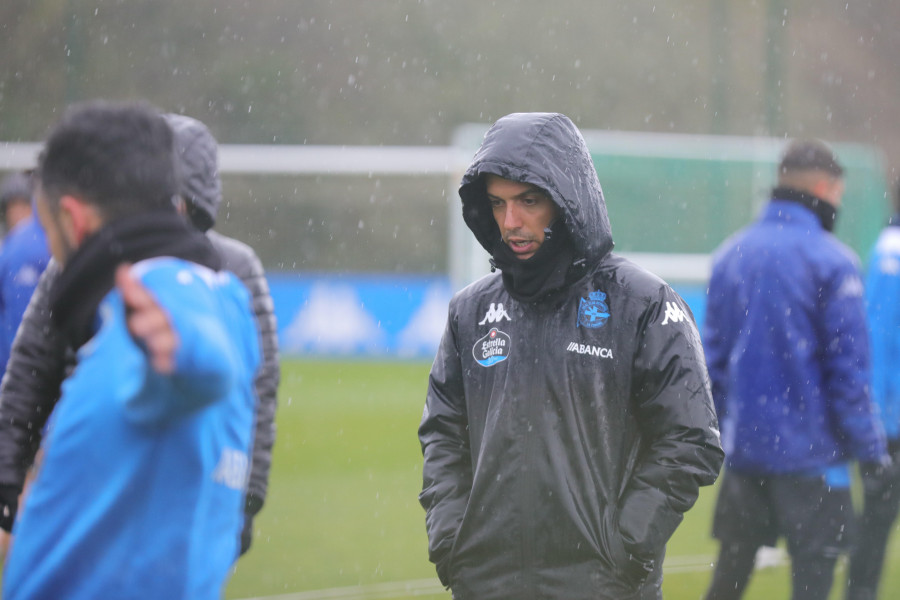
pixel 39 358
pixel 146 456
pixel 788 355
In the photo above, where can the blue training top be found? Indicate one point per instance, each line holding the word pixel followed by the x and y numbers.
pixel 883 313
pixel 140 491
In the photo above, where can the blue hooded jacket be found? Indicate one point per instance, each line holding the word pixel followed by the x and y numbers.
pixel 883 312
pixel 787 350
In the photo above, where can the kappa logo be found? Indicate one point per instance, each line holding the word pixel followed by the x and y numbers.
pixel 495 314
pixel 593 311
pixel 492 348
pixel 674 314
pixel 851 287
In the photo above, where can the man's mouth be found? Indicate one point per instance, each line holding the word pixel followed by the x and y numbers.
pixel 522 246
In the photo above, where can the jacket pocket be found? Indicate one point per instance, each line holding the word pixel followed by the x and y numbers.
pixel 442 565
pixel 445 567
pixel 626 567
pixel 611 545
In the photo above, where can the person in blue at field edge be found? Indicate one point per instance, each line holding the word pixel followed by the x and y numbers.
pixel 788 356
pixel 881 484
pixel 15 199
pixel 146 457
pixel 23 257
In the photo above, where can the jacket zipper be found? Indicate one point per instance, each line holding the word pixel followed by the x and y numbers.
pixel 529 497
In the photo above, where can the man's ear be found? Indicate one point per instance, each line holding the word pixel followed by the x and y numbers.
pixel 820 188
pixel 78 219
pixel 828 189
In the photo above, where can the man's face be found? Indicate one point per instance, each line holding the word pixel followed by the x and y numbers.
pixel 522 212
pixel 834 192
pixel 57 239
pixel 17 210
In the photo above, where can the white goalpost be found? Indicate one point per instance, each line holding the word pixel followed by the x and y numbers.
pixel 466 260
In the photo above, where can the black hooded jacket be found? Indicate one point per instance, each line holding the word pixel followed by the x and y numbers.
pixel 564 438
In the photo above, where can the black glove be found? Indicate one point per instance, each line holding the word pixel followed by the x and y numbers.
pixel 9 504
pixel 246 533
pixel 252 505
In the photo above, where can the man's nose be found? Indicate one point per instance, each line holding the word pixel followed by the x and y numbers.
pixel 512 218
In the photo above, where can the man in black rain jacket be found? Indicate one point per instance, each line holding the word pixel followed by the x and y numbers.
pixel 568 423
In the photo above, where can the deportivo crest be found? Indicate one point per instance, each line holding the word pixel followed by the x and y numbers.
pixel 593 311
pixel 492 348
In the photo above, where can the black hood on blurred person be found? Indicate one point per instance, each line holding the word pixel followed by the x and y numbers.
pixel 201 187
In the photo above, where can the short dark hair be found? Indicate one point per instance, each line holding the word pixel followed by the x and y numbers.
pixel 810 155
pixel 118 157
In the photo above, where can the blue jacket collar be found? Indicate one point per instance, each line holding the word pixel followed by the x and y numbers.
pixel 790 212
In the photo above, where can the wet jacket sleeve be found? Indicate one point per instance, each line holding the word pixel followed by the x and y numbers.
pixel 31 385
pixel 681 449
pixel 209 358
pixel 447 470
pixel 846 366
pixel 241 260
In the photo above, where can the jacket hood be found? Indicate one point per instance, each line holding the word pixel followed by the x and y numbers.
pixel 197 152
pixel 546 150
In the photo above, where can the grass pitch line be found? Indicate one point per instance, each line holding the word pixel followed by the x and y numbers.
pixel 375 591
pixel 426 587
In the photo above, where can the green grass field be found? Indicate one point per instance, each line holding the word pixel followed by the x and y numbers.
pixel 342 513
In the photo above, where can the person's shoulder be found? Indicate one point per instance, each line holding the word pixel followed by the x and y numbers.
pixel 167 271
pixel 187 288
pixel 238 258
pixel 837 252
pixel 888 242
pixel 629 277
pixel 733 243
pixel 17 237
pixel 236 255
pixel 489 284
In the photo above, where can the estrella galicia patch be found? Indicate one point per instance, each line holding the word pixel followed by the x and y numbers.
pixel 492 348
pixel 593 310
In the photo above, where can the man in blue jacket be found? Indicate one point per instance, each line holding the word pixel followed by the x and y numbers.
pixel 787 350
pixel 23 257
pixel 146 458
pixel 881 485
